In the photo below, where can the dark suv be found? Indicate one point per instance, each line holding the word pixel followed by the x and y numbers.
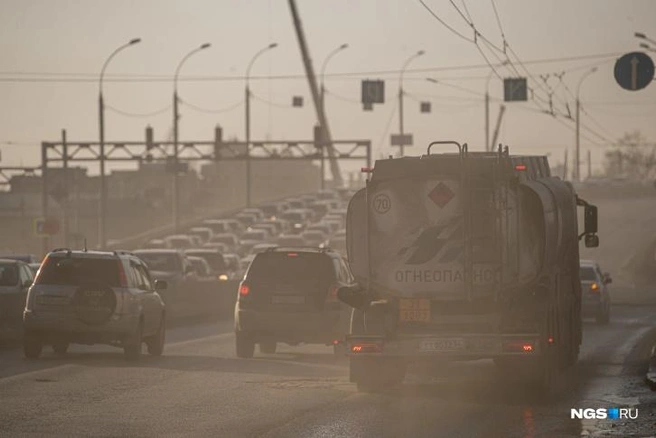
pixel 93 297
pixel 290 295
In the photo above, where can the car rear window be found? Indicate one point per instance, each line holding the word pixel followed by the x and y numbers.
pixel 285 268
pixel 77 270
pixel 214 259
pixel 167 262
pixel 8 274
pixel 587 274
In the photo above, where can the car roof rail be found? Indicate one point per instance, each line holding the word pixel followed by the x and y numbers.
pixel 123 252
pixel 68 251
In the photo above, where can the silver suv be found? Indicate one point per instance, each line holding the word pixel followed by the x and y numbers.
pixel 93 297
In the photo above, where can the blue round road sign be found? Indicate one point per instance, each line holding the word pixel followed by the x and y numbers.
pixel 634 71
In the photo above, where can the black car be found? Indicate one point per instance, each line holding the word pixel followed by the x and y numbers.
pixel 290 295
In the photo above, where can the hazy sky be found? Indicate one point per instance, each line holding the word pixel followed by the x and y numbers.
pixel 68 40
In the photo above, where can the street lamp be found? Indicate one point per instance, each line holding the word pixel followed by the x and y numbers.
pixel 176 121
pixel 102 235
pixel 644 37
pixel 248 121
pixel 577 168
pixel 647 47
pixel 405 65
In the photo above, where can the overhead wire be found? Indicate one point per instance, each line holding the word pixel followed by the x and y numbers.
pixel 271 103
pixel 138 114
pixel 212 111
pixel 340 97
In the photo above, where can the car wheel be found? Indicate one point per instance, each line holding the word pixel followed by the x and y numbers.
pixel 268 347
pixel 60 347
pixel 244 345
pixel 156 342
pixel 132 345
pixel 32 346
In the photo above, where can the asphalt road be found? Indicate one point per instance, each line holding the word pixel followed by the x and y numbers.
pixel 199 388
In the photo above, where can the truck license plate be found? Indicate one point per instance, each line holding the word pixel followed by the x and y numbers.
pixel 414 310
pixel 442 344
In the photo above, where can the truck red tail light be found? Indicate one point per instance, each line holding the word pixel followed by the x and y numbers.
pixel 366 348
pixel 244 290
pixel 518 346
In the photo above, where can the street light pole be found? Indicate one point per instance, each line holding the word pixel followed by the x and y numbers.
pixel 248 121
pixel 403 68
pixel 577 168
pixel 176 120
pixel 642 36
pixel 323 107
pixel 102 205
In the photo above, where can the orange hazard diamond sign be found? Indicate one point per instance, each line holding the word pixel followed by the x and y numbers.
pixel 441 195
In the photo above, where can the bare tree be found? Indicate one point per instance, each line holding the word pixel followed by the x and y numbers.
pixel 633 158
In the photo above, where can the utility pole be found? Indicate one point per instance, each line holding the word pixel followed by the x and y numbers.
pixel 65 198
pixel 102 206
pixel 405 65
pixel 314 89
pixel 577 168
pixel 565 165
pixel 487 122
pixel 175 196
pixel 589 164
pixel 248 121
pixel 502 110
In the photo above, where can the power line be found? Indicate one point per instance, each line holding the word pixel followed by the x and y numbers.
pixel 270 103
pixel 444 23
pixel 213 111
pixel 343 98
pixel 15 76
pixel 135 114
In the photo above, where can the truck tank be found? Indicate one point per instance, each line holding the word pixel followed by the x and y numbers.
pixel 465 256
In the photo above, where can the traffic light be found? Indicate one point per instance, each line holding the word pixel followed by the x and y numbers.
pixel 149 138
pixel 218 140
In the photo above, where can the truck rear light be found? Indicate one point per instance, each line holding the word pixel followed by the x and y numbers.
pixel 594 288
pixel 366 348
pixel 520 167
pixel 518 346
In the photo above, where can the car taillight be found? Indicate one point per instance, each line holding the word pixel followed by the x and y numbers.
pixel 244 290
pixel 122 278
pixel 332 293
pixel 594 288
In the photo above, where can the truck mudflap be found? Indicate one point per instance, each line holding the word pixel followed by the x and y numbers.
pixel 448 346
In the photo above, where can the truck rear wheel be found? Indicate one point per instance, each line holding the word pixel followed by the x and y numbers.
pixel 244 345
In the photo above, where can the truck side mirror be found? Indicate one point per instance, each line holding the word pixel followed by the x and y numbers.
pixel 353 296
pixel 591 240
pixel 590 220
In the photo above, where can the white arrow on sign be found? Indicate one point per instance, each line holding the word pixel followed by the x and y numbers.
pixel 634 73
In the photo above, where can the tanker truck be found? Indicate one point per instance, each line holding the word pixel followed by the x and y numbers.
pixel 464 256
